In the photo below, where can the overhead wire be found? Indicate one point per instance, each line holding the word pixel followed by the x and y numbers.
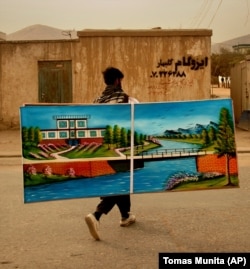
pixel 218 7
pixel 202 13
pixel 199 12
pixel 209 3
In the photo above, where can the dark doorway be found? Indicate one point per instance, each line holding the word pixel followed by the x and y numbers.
pixel 55 81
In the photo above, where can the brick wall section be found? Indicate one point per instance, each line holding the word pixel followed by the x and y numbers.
pixel 211 163
pixel 84 169
pixel 206 163
pixel 99 168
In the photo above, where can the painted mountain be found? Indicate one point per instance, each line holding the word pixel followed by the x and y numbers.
pixel 197 129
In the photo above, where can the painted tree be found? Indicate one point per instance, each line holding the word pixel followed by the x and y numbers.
pixel 212 134
pixel 124 141
pixel 37 135
pixel 226 140
pixel 31 136
pixel 25 136
pixel 141 139
pixel 108 136
pixel 205 137
pixel 129 137
pixel 136 139
pixel 117 135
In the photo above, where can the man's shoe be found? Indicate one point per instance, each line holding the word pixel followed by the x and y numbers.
pixel 93 225
pixel 128 221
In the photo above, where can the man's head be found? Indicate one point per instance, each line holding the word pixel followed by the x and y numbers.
pixel 112 76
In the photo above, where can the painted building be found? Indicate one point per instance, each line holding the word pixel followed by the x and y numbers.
pixel 158 64
pixel 72 130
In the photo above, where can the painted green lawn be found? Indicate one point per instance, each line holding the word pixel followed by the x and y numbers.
pixel 101 151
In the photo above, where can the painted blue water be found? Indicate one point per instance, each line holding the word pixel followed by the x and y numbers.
pixel 151 178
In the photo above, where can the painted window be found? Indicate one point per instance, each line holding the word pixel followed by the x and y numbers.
pixel 51 134
pixel 81 123
pixel 81 134
pixel 63 134
pixel 93 133
pixel 62 124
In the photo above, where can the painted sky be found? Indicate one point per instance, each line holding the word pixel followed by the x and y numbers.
pixel 227 18
pixel 99 115
pixel 150 118
pixel 158 117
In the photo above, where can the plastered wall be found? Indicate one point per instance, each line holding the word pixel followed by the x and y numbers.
pixel 159 65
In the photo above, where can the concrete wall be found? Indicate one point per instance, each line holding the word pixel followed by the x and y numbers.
pixel 159 65
pixel 240 91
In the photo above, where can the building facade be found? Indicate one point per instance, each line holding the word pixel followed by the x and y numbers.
pixel 240 92
pixel 72 130
pixel 242 48
pixel 158 64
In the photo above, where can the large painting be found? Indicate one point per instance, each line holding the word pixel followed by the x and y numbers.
pixel 91 150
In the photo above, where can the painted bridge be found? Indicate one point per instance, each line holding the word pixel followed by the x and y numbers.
pixel 169 153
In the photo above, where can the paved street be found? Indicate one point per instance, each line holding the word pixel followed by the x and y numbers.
pixel 51 235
